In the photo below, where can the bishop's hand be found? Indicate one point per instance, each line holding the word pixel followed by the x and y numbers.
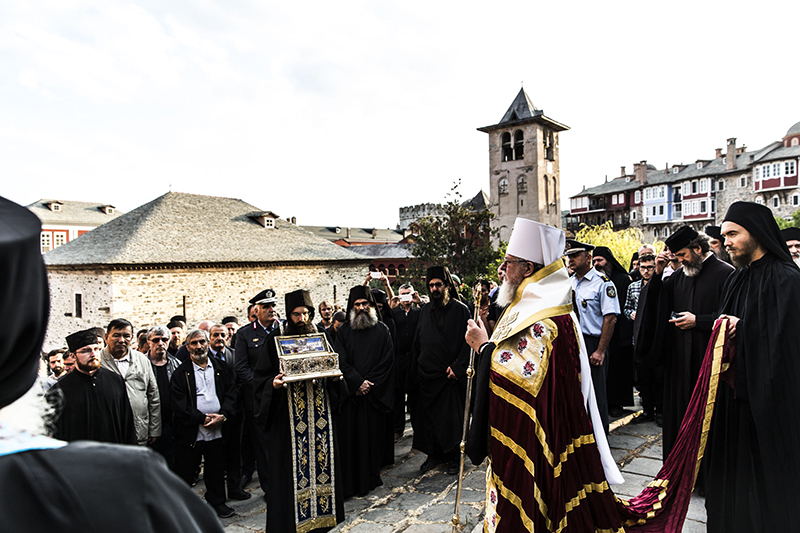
pixel 476 334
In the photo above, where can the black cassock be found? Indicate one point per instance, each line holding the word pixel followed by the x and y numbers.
pixel 365 354
pixel 272 414
pixel 755 433
pixel 437 413
pixel 619 383
pixel 682 350
pixel 95 408
pixel 86 487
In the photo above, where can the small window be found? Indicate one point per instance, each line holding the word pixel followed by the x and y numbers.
pixel 638 196
pixel 713 185
pixel 796 199
pixel 795 141
pixel 519 145
pixel 699 166
pixel 655 233
pixel 78 305
pixel 522 185
pixel 675 170
pixel 724 160
pixel 660 210
pixel 633 215
pixel 703 206
pixel 508 151
pixel 721 185
pixel 502 186
pixel 694 187
pixel 776 202
pixel 789 168
pixel 687 188
pixel 57 208
pixel 765 172
pixel 269 222
pixel 47 241
pixel 742 181
pixel 59 238
pixel 776 169
pixel 703 186
pixel 713 206
pixel 666 232
pixel 109 210
pixel 759 200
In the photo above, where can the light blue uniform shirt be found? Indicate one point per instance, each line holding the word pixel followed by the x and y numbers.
pixel 595 297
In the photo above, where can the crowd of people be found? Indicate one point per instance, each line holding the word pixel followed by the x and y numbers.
pixel 561 344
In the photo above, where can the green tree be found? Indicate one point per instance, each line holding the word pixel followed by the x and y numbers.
pixel 794 223
pixel 459 238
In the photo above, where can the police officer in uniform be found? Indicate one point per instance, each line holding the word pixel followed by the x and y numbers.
pixel 598 307
pixel 247 347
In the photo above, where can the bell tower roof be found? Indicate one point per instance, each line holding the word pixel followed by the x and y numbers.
pixel 522 111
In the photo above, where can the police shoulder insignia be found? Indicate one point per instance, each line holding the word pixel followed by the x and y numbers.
pixel 604 277
pixel 612 293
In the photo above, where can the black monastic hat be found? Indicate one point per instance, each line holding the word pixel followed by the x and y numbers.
pixel 714 232
pixel 82 338
pixel 25 301
pixel 175 324
pixel 299 298
pixel 791 234
pixel 230 319
pixel 605 252
pixel 681 238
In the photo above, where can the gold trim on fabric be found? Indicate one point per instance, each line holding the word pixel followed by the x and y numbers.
pixel 576 501
pixel 515 500
pixel 711 398
pixel 531 386
pixel 540 434
pixel 328 521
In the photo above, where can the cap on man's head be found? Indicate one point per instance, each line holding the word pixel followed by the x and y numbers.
pixel 791 234
pixel 759 221
pixel 574 247
pixel 180 318
pixel 535 242
pixel 82 338
pixel 299 298
pixel 267 296
pixel 714 232
pixel 175 324
pixel 230 319
pixel 680 239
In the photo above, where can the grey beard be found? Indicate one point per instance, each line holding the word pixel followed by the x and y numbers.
pixel 506 293
pixel 796 260
pixel 363 320
pixel 692 270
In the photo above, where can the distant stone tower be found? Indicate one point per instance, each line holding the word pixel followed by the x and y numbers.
pixel 524 176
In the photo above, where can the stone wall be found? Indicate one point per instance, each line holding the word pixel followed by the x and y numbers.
pixel 150 297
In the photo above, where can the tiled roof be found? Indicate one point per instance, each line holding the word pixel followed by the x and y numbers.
pixel 180 228
pixel 783 152
pixel 334 233
pixel 384 251
pixel 520 109
pixel 72 213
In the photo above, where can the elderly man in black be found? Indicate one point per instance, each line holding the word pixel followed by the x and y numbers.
pixel 439 363
pixel 203 393
pixel 685 307
pixel 366 358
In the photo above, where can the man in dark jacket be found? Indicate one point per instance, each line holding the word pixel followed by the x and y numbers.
pixel 203 393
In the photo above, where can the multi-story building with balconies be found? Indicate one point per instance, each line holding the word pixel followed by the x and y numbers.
pixel 697 194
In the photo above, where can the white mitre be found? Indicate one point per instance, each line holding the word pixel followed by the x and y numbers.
pixel 536 242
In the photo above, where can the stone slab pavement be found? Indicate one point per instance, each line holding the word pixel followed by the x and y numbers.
pixel 411 502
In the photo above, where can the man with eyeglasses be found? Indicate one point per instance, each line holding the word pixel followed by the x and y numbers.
pixel 439 361
pixel 135 369
pixel 649 378
pixel 164 365
pixel 95 403
pixel 248 346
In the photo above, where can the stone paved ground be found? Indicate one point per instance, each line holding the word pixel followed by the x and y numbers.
pixel 412 503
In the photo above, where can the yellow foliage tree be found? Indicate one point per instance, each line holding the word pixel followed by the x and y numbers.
pixel 622 243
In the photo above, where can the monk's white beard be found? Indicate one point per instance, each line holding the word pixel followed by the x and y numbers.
pixel 506 293
pixel 363 320
pixel 796 260
pixel 30 413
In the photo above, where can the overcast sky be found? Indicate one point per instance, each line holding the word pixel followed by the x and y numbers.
pixel 339 113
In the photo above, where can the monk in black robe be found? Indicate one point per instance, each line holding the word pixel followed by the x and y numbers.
pixel 272 403
pixel 439 362
pixel 366 357
pixel 95 402
pixel 619 382
pixel 755 432
pixel 679 316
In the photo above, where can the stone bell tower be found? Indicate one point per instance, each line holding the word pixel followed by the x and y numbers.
pixel 524 177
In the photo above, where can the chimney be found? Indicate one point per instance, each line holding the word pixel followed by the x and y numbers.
pixel 606 178
pixel 348 233
pixel 374 233
pixel 717 153
pixel 730 162
pixel 294 220
pixel 622 171
pixel 741 150
pixel 640 169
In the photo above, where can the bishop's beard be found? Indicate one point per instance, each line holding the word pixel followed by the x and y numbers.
pixel 506 293
pixel 693 267
pixel 299 329
pixel 363 319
